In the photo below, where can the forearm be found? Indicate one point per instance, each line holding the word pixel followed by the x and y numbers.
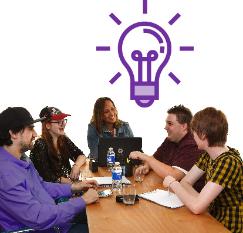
pixel 80 161
pixel 189 199
pixel 188 187
pixel 163 170
pixel 57 190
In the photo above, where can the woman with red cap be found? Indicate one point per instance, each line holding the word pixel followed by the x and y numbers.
pixel 52 151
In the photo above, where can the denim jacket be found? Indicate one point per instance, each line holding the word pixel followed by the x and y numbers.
pixel 93 136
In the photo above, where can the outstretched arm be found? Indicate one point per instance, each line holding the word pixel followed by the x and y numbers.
pixel 196 202
pixel 161 169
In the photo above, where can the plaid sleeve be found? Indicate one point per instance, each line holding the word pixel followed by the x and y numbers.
pixel 227 172
pixel 202 162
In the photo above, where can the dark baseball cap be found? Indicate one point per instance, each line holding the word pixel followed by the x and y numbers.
pixel 14 118
pixel 52 113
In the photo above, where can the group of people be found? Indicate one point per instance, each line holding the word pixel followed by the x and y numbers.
pixel 193 161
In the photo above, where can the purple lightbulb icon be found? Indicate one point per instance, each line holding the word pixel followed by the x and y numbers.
pixel 144 49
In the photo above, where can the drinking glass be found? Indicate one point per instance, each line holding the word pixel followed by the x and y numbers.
pixel 138 174
pixel 129 194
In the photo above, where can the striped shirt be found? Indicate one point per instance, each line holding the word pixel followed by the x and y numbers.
pixel 227 171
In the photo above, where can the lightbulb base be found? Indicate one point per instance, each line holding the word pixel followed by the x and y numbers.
pixel 144 93
pixel 144 103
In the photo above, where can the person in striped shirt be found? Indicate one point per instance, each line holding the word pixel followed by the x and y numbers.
pixel 222 194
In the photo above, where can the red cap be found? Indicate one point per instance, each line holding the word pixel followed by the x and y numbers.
pixel 52 113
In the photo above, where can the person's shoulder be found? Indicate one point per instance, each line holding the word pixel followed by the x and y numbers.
pixel 67 139
pixel 123 123
pixel 9 170
pixel 188 140
pixel 91 126
pixel 40 143
pixel 230 156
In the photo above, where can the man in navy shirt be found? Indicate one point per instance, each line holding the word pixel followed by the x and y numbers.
pixel 25 199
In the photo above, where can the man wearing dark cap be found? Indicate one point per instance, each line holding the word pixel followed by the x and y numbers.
pixel 26 201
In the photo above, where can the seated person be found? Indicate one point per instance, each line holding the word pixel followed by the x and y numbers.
pixel 54 149
pixel 105 123
pixel 222 195
pixel 26 200
pixel 177 153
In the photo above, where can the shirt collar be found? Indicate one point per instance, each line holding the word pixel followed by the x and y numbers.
pixel 6 156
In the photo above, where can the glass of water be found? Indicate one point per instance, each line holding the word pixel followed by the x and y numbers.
pixel 138 174
pixel 129 194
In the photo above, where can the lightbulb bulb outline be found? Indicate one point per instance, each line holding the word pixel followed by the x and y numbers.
pixel 144 99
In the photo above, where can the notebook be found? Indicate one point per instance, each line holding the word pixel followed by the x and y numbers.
pixel 126 144
pixel 106 180
pixel 163 198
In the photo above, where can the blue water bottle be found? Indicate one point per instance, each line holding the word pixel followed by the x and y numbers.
pixel 117 178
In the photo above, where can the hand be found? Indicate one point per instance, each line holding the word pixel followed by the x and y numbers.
pixel 93 183
pixel 168 180
pixel 75 172
pixel 65 180
pixel 145 169
pixel 84 185
pixel 138 155
pixel 142 170
pixel 90 196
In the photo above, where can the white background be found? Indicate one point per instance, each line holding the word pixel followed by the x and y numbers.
pixel 48 57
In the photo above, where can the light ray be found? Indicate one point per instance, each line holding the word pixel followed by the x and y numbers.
pixel 145 7
pixel 174 18
pixel 186 48
pixel 103 48
pixel 174 78
pixel 115 77
pixel 115 19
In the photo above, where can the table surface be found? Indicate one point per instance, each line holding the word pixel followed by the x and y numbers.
pixel 109 216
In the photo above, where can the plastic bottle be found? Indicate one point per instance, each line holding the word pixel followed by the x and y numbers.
pixel 110 158
pixel 121 158
pixel 117 177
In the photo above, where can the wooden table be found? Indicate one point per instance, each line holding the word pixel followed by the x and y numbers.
pixel 144 216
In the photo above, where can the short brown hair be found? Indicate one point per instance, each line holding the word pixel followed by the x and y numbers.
pixel 183 114
pixel 213 124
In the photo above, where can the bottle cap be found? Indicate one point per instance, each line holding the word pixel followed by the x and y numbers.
pixel 117 163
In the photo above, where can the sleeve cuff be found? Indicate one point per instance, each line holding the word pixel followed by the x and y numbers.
pixel 181 169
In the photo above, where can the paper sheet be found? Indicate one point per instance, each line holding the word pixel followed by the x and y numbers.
pixel 162 197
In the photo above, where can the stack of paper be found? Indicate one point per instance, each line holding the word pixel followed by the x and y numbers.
pixel 162 197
